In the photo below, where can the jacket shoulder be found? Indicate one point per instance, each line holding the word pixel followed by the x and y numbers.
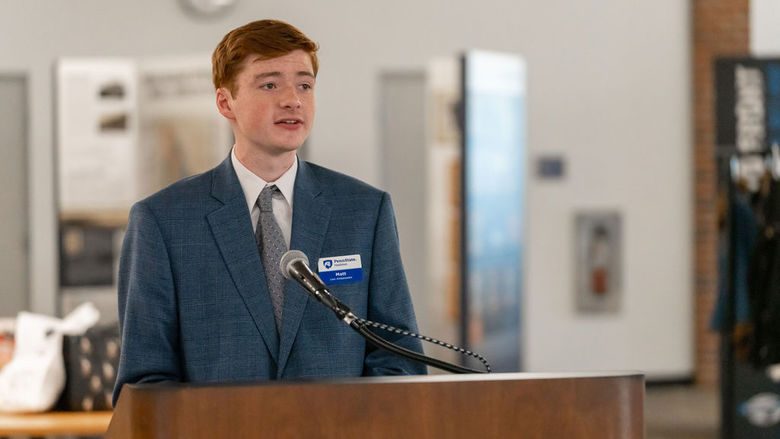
pixel 182 194
pixel 341 184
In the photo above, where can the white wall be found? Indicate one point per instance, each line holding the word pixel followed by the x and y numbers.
pixel 764 31
pixel 609 89
pixel 620 114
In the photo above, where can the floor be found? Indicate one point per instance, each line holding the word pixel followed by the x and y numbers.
pixel 681 412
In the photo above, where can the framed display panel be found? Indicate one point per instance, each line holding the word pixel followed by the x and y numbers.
pixel 494 183
pixel 96 138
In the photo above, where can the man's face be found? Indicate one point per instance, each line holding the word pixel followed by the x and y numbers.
pixel 272 110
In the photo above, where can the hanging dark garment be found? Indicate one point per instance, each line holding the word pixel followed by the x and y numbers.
pixel 745 231
pixel 764 285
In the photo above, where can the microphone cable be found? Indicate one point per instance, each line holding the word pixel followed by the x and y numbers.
pixel 364 323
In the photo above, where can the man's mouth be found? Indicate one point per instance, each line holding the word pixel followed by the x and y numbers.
pixel 288 122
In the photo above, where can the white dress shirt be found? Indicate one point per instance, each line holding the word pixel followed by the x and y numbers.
pixel 252 185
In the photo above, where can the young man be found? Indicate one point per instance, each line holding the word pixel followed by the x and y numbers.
pixel 201 296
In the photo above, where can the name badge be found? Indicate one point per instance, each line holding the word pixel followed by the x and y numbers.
pixel 340 269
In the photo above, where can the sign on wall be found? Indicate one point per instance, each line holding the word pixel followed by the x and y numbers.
pixel 748 104
pixel 97 117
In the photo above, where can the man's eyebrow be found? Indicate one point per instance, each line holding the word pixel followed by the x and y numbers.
pixel 277 74
pixel 267 75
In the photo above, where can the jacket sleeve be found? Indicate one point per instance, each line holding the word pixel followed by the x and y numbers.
pixel 148 323
pixel 389 300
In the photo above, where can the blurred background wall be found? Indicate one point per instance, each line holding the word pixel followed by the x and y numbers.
pixel 609 92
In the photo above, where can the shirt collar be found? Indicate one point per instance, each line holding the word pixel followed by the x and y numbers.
pixel 252 185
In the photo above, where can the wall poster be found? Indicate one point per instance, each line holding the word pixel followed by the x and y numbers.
pixel 97 117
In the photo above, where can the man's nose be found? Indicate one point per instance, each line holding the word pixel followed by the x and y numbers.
pixel 291 99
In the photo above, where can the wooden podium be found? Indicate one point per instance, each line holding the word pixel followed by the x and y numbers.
pixel 595 405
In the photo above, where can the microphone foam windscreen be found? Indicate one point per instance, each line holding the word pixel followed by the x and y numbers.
pixel 290 257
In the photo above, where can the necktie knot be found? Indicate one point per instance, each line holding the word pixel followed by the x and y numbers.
pixel 265 197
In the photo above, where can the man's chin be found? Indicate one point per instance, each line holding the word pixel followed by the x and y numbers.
pixel 286 149
pixel 276 149
pixel 288 145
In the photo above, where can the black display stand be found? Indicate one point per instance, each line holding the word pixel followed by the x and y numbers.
pixel 743 388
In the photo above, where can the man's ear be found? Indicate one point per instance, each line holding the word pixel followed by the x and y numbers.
pixel 225 103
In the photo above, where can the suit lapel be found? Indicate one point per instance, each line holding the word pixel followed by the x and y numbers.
pixel 311 215
pixel 232 231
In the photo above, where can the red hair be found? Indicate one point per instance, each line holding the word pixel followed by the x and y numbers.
pixel 266 38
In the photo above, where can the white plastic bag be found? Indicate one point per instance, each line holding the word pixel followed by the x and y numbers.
pixel 34 378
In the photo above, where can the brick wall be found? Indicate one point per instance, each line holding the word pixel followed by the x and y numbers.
pixel 720 28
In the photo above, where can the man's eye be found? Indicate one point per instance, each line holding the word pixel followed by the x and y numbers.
pixel 268 86
pixel 306 86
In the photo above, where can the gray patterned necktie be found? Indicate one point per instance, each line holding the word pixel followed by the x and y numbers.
pixel 272 246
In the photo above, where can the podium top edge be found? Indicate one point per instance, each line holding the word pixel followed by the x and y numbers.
pixel 443 378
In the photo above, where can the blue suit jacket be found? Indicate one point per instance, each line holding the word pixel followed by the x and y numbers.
pixel 193 299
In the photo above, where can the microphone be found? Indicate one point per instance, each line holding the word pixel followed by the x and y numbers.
pixel 295 265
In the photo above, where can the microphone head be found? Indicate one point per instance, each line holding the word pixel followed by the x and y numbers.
pixel 290 257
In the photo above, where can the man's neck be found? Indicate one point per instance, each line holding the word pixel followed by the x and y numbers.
pixel 266 166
